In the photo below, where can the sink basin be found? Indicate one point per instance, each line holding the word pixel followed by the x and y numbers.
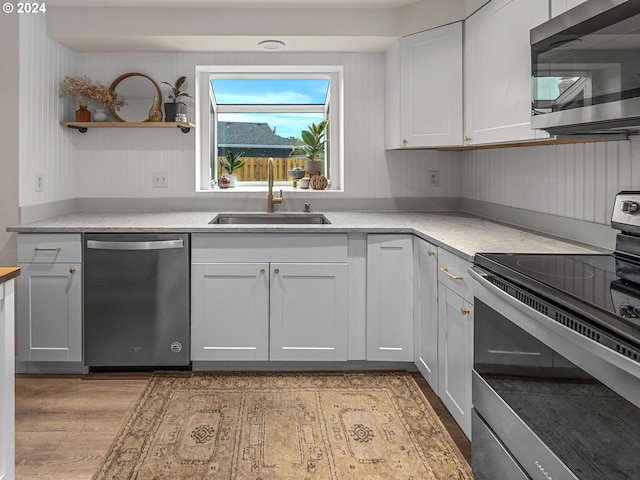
pixel 270 219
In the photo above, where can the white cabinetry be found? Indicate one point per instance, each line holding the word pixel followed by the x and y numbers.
pixel 50 300
pixel 426 311
pixel 498 72
pixel 7 401
pixel 390 298
pixel 269 297
pixel 455 337
pixel 424 89
pixel 561 6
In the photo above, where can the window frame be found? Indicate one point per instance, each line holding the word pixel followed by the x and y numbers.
pixel 207 111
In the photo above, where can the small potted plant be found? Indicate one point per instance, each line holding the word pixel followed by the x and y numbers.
pixel 232 163
pixel 313 143
pixel 171 109
pixel 89 92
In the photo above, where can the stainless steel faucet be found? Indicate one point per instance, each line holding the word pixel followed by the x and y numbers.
pixel 271 200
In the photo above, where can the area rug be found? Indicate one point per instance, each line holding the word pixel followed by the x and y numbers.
pixel 267 426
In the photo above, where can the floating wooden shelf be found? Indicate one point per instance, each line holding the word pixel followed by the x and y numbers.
pixel 82 127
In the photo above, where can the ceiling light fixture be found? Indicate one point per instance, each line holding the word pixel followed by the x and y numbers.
pixel 271 45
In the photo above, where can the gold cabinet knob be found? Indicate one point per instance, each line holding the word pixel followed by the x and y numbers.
pixel 465 311
pixel 431 253
pixel 72 270
pixel 467 138
pixel 262 271
pixel 404 142
pixel 276 270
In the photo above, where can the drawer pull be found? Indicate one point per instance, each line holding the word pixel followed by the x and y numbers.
pixel 72 270
pixel 431 253
pixel 465 310
pixel 262 271
pixel 41 249
pixel 448 273
pixel 276 270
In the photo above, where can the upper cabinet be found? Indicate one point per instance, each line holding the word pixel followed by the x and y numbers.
pixel 498 71
pixel 561 6
pixel 424 89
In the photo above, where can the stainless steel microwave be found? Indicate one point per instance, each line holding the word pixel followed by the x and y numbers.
pixel 585 69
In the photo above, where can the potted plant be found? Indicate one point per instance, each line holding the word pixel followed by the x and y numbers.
pixel 172 109
pixel 313 143
pixel 88 93
pixel 232 163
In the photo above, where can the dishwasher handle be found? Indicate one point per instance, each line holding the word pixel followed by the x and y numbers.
pixel 135 245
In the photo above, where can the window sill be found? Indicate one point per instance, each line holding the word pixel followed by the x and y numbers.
pixel 263 189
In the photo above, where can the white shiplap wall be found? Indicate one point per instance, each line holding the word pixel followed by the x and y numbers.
pixel 577 181
pixel 45 147
pixel 120 163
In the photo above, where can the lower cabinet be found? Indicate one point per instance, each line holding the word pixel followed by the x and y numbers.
pixel 271 309
pixel 426 311
pixel 7 388
pixel 455 338
pixel 50 299
pixel 390 298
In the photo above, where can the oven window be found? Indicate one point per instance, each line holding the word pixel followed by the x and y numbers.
pixel 592 429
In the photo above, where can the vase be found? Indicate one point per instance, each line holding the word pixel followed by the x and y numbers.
pixel 82 114
pixel 155 114
pixel 233 178
pixel 99 115
pixel 171 110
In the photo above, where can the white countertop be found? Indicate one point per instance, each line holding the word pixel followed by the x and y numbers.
pixel 462 234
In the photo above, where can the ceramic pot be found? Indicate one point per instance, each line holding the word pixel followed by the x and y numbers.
pixel 233 178
pixel 171 110
pixel 99 115
pixel 313 167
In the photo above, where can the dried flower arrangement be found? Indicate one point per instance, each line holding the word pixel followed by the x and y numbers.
pixel 88 92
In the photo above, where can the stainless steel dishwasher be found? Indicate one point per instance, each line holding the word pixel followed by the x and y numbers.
pixel 136 300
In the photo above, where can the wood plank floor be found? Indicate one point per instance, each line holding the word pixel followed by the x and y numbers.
pixel 66 424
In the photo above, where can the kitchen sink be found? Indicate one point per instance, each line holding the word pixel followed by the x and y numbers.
pixel 270 219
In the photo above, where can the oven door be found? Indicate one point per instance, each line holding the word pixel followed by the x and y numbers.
pixel 548 401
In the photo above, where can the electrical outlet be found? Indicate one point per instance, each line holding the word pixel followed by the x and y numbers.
pixel 160 179
pixel 39 182
pixel 434 178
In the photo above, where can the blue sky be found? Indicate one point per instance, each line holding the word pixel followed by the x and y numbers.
pixel 272 92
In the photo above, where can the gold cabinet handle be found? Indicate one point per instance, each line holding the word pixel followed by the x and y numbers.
pixel 262 271
pixel 467 138
pixel 72 270
pixel 276 270
pixel 431 253
pixel 448 273
pixel 404 142
pixel 40 249
pixel 465 310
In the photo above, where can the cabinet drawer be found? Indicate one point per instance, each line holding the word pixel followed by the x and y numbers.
pixel 49 248
pixel 453 272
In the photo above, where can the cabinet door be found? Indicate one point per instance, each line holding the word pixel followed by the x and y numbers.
pixel 498 71
pixel 230 311
pixel 431 87
pixel 561 6
pixel 309 305
pixel 390 298
pixel 455 318
pixel 426 312
pixel 7 401
pixel 50 312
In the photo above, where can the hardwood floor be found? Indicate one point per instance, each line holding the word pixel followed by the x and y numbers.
pixel 66 424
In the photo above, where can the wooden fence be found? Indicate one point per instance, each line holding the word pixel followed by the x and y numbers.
pixel 257 169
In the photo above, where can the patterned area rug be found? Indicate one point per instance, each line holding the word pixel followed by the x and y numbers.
pixel 266 426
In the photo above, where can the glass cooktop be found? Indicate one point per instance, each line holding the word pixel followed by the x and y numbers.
pixel 603 288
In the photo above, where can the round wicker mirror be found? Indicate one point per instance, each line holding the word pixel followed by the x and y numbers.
pixel 138 91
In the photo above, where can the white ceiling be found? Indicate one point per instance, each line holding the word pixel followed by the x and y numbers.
pixel 180 4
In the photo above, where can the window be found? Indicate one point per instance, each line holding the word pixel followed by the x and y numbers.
pixel 261 112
